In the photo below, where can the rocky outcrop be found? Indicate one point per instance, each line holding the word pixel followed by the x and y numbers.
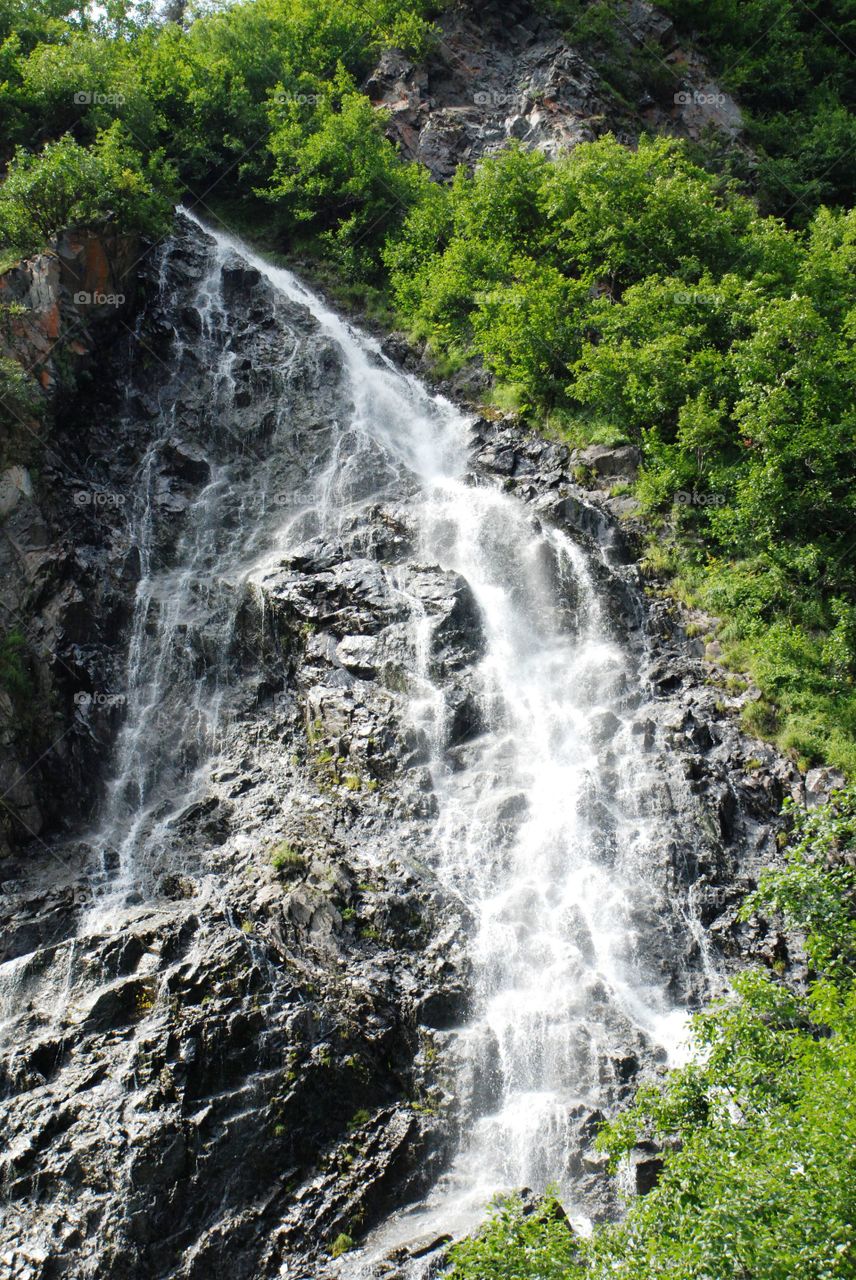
pixel 55 309
pixel 64 583
pixel 504 72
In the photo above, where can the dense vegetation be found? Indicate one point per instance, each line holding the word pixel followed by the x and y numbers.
pixel 222 102
pixel 791 67
pixel 760 1180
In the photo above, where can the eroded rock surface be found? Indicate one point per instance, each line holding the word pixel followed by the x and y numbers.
pixel 507 71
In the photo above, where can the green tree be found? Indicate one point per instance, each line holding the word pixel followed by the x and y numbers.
pixel 335 169
pixel 65 183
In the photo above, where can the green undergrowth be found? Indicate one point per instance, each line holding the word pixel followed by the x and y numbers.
pixel 791 646
pixel 788 65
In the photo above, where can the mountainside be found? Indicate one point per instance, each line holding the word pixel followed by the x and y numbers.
pixel 511 72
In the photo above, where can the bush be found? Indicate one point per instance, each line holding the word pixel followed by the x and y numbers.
pixel 14 678
pixel 515 1244
pixel 285 859
pixel 342 1244
pixel 66 183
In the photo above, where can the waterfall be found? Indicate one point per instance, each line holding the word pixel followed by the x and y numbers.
pixel 550 806
pixel 546 847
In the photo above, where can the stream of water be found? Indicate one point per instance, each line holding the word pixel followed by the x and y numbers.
pixel 557 899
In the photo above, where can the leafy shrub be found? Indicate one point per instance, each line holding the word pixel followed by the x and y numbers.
pixel 66 183
pixel 342 1244
pixel 285 859
pixel 335 169
pixel 790 67
pixel 14 678
pixel 517 1244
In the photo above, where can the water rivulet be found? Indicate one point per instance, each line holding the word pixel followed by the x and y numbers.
pixel 416 840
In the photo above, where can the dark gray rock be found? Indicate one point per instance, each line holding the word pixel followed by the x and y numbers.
pixel 502 72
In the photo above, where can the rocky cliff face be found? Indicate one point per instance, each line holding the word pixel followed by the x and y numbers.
pixel 64 585
pixel 510 71
pixel 246 1053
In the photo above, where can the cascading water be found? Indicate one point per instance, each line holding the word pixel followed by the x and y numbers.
pixel 547 807
pixel 555 886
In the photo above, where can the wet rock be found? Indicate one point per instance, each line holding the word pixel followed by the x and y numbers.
pixel 612 463
pixel 186 462
pixel 457 637
pixel 443 1008
pixel 316 556
pixel 605 725
pixel 465 717
pixel 238 278
pixel 646 1165
pixel 352 597
pixel 359 654
pixel 428 1245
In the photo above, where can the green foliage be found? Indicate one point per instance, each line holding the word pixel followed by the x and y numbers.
pixel 342 1244
pixel 759 1175
pixel 335 170
pixel 14 678
pixel 790 66
pixel 66 183
pixel 285 859
pixel 516 1244
pixel 213 97
pixel 817 891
